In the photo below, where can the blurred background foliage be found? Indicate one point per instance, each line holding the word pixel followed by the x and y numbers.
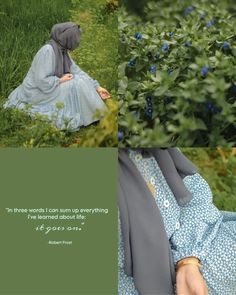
pixel 25 27
pixel 138 7
pixel 218 167
pixel 135 6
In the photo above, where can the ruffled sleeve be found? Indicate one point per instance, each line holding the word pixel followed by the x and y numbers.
pixel 43 67
pixel 76 70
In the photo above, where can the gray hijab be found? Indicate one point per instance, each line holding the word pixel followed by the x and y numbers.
pixel 64 37
pixel 148 258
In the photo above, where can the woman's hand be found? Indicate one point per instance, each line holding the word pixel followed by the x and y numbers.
pixel 66 77
pixel 189 281
pixel 103 93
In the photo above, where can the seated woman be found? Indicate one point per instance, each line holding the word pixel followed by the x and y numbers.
pixel 56 87
pixel 202 239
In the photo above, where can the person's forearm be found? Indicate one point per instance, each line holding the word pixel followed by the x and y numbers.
pixel 189 280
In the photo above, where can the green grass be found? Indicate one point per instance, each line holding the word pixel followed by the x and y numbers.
pixel 25 27
pixel 98 51
pixel 218 167
pixel 97 55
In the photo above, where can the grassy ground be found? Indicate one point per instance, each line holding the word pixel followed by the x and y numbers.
pixel 97 55
pixel 25 27
pixel 218 167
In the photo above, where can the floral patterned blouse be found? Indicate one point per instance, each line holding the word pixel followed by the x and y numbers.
pixel 196 229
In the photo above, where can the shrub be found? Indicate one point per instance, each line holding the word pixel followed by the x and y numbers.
pixel 177 79
pixel 105 133
pixel 18 129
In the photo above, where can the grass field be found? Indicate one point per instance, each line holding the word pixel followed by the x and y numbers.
pixel 25 27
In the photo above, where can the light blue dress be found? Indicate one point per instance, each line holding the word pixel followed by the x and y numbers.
pixel 195 229
pixel 68 105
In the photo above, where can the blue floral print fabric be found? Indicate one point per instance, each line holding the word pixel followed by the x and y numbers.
pixel 196 229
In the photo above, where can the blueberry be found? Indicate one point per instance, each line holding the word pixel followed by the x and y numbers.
pixel 171 34
pixel 165 47
pixel 226 45
pixel 152 69
pixel 149 112
pixel 187 44
pixel 149 103
pixel 188 10
pixel 138 36
pixel 132 63
pixel 210 23
pixel 120 135
pixel 209 106
pixel 204 71
pixel 148 98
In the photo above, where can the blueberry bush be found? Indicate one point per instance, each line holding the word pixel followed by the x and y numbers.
pixel 177 74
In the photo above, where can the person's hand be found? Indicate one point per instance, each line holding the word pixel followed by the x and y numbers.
pixel 66 77
pixel 189 281
pixel 103 93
